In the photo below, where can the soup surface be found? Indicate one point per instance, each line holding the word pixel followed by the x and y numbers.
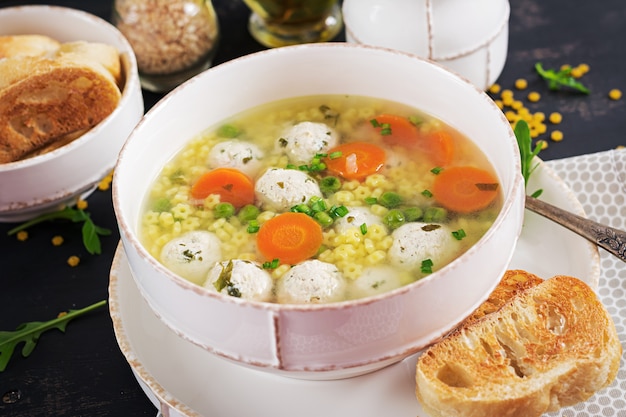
pixel 319 199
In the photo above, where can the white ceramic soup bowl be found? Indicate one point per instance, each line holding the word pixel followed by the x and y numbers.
pixel 47 182
pixel 332 340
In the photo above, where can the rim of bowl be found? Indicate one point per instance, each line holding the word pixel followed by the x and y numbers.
pixel 133 239
pixel 131 80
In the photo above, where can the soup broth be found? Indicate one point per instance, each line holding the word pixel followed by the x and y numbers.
pixel 319 199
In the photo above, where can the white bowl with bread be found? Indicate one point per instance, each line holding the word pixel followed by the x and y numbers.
pixel 69 97
pixel 338 339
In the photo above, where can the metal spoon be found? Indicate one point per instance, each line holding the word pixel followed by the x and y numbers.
pixel 608 238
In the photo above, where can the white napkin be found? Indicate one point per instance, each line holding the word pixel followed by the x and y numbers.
pixel 599 182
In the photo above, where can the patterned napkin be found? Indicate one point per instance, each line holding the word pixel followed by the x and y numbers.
pixel 599 182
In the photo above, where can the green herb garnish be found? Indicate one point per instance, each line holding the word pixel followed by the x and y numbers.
pixel 90 232
pixel 459 234
pixel 562 78
pixel 427 266
pixel 29 333
pixel 527 153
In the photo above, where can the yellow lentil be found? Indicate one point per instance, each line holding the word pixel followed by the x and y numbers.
pixel 521 84
pixel 73 261
pixel 542 143
pixel 534 96
pixel 615 94
pixel 105 183
pixel 494 89
pixel 565 66
pixel 556 135
pixel 516 105
pixel 22 235
pixel 81 204
pixel 555 118
pixel 584 68
pixel 57 240
pixel 576 72
pixel 506 94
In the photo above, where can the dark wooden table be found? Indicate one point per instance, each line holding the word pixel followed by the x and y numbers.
pixel 82 372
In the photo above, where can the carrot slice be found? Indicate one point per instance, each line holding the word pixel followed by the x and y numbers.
pixel 355 160
pixel 397 130
pixel 232 185
pixel 438 147
pixel 289 237
pixel 465 189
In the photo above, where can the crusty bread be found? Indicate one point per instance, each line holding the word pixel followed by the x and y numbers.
pixel 53 96
pixel 552 345
pixel 26 45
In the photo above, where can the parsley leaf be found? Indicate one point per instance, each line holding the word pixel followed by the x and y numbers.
pixel 29 333
pixel 527 153
pixel 561 78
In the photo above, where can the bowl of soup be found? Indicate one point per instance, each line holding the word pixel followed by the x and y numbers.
pixel 63 129
pixel 319 211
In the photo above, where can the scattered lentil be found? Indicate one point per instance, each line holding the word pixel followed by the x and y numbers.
pixel 22 235
pixel 521 84
pixel 81 204
pixel 542 143
pixel 556 135
pixel 73 261
pixel 615 94
pixel 57 240
pixel 495 88
pixel 555 118
pixel 534 96
pixel 105 183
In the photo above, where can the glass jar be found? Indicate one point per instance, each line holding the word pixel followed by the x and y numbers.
pixel 172 39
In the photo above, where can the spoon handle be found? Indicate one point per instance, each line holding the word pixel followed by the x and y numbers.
pixel 612 240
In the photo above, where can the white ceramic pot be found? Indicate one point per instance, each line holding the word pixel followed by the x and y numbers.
pixel 334 340
pixel 469 37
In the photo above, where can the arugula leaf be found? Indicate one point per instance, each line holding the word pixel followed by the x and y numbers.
pixel 90 232
pixel 527 153
pixel 29 333
pixel 561 78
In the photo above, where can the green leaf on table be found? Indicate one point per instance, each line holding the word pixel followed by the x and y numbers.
pixel 90 232
pixel 29 333
pixel 561 78
pixel 527 152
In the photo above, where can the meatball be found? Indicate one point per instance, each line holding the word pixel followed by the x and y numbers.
pixel 192 255
pixel 375 280
pixel 305 140
pixel 280 189
pixel 416 242
pixel 241 278
pixel 355 218
pixel 311 282
pixel 243 156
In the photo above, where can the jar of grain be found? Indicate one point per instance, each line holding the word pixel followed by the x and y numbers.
pixel 172 39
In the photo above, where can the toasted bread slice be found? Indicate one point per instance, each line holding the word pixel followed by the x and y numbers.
pixel 552 345
pixel 47 97
pixel 512 283
pixel 26 45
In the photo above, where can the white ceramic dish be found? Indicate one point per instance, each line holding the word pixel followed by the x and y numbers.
pixel 334 340
pixel 48 182
pixel 469 37
pixel 182 379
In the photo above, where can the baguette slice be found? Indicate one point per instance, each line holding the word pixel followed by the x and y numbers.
pixel 550 346
pixel 48 97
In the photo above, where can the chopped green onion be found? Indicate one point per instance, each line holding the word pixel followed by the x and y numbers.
pixel 459 234
pixel 329 185
pixel 335 155
pixel 435 214
pixel 436 170
pixel 394 219
pixel 253 226
pixel 390 199
pixel 427 193
pixel 224 210
pixel 302 208
pixel 413 214
pixel 371 200
pixel 338 211
pixel 323 218
pixel 375 123
pixel 228 131
pixel 273 264
pixel 385 129
pixel 427 266
pixel 317 204
pixel 415 120
pixel 363 228
pixel 291 166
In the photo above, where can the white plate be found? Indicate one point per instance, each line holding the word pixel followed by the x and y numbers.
pixel 182 379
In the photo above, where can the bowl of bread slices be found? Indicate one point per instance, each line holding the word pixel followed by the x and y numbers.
pixel 69 97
